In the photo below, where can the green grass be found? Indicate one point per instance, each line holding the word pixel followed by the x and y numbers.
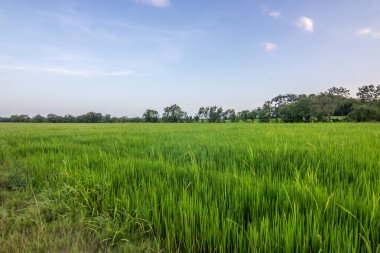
pixel 200 187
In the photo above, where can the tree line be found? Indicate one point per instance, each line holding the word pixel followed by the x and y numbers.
pixel 335 104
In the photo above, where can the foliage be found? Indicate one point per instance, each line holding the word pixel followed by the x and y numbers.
pixel 363 113
pixel 369 93
pixel 230 115
pixel 174 114
pixel 321 107
pixel 151 115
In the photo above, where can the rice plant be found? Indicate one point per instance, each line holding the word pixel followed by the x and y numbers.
pixel 210 187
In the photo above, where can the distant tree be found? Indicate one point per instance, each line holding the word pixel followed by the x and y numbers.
pixel 135 120
pixel 14 118
pixel 215 114
pixel 69 118
pixel 369 93
pixel 345 106
pixel 230 115
pixel 203 113
pixel 20 118
pixel 285 99
pixel 123 119
pixel 93 117
pixel 244 115
pixel 323 106
pixel 107 118
pixel 38 119
pixel 115 119
pixel 340 92
pixel 280 101
pixel 362 113
pixel 253 115
pixel 189 119
pixel 53 118
pixel 265 113
pixel 5 119
pixel 151 115
pixel 342 100
pixel 173 114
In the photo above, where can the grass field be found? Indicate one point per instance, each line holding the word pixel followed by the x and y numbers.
pixel 190 187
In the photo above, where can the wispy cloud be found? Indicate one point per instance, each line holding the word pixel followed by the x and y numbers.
pixel 271 13
pixel 156 3
pixel 274 14
pixel 67 71
pixel 368 31
pixel 166 44
pixel 306 24
pixel 269 46
pixel 79 24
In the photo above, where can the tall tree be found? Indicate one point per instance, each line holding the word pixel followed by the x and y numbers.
pixel 38 119
pixel 215 114
pixel 203 113
pixel 230 115
pixel 68 118
pixel 339 91
pixel 151 115
pixel 244 115
pixel 53 118
pixel 265 114
pixel 323 106
pixel 173 114
pixel 368 93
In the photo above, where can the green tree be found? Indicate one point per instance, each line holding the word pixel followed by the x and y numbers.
pixel 230 114
pixel 53 118
pixel 173 114
pixel 151 116
pixel 339 91
pixel 203 113
pixel 68 118
pixel 362 113
pixel 244 115
pixel 215 114
pixel 368 93
pixel 265 113
pixel 38 119
pixel 323 106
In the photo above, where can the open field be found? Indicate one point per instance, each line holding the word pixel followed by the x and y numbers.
pixel 192 187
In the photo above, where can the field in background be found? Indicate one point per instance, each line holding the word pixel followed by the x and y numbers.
pixel 195 187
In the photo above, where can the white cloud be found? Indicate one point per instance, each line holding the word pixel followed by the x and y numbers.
pixel 64 71
pixel 271 13
pixel 67 71
pixel 274 14
pixel 364 31
pixel 306 24
pixel 368 31
pixel 269 46
pixel 156 3
pixel 116 73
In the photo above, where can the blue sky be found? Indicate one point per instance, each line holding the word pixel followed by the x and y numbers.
pixel 124 56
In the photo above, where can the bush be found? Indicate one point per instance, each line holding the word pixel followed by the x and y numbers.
pixel 365 113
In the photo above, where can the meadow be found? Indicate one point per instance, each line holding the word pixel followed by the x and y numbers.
pixel 195 187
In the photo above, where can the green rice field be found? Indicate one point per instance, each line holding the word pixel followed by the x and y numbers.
pixel 203 187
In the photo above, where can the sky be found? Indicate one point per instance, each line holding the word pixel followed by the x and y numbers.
pixel 122 57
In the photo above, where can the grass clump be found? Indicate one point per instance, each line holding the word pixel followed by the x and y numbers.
pixel 15 180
